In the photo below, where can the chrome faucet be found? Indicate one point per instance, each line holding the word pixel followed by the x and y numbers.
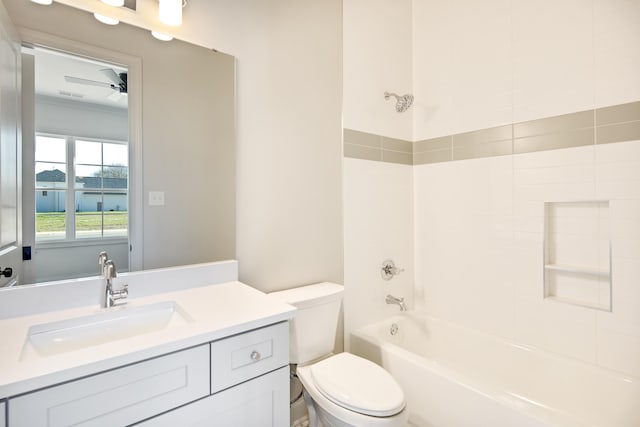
pixel 110 295
pixel 102 258
pixel 393 300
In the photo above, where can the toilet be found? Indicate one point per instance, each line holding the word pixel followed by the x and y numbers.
pixel 339 389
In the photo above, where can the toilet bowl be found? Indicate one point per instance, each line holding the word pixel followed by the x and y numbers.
pixel 340 390
pixel 347 390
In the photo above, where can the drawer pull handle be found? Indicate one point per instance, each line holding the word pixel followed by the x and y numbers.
pixel 255 355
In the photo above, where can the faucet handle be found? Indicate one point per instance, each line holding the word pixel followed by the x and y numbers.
pixel 121 293
pixel 389 270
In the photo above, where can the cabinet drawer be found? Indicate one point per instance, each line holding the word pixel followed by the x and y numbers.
pixel 119 397
pixel 248 355
pixel 262 402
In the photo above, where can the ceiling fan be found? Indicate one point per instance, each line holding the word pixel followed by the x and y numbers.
pixel 118 83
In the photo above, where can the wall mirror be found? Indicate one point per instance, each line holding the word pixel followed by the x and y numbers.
pixel 135 118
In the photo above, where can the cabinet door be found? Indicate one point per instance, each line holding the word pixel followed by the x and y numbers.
pixel 3 417
pixel 261 402
pixel 119 397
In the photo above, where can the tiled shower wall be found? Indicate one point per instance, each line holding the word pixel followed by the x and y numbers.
pixel 479 248
pixel 512 108
pixel 476 227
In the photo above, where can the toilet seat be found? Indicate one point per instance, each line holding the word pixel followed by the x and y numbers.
pixel 358 384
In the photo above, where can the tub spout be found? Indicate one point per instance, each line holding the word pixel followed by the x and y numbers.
pixel 393 300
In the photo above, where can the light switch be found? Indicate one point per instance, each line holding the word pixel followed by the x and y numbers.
pixel 156 198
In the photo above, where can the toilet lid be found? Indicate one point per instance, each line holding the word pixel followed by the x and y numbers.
pixel 358 384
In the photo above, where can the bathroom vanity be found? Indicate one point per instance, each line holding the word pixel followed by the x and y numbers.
pixel 185 357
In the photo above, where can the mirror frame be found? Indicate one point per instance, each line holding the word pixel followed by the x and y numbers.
pixel 33 38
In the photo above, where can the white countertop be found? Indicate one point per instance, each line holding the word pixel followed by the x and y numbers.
pixel 216 311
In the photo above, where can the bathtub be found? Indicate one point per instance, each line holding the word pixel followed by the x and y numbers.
pixel 457 377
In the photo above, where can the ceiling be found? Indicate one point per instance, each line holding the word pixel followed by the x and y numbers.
pixel 51 67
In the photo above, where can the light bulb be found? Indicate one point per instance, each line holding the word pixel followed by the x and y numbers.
pixel 161 36
pixel 116 3
pixel 106 19
pixel 170 12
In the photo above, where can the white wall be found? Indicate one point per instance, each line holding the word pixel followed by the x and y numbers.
pixel 65 117
pixel 377 59
pixel 378 197
pixel 484 64
pixel 378 224
pixel 479 248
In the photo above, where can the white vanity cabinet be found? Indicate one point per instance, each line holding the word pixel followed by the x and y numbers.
pixel 3 414
pixel 119 397
pixel 241 380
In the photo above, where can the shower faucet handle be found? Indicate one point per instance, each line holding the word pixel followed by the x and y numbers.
pixel 389 270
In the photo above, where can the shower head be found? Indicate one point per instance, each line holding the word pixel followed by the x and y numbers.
pixel 402 102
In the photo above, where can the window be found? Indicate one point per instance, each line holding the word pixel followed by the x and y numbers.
pixel 81 189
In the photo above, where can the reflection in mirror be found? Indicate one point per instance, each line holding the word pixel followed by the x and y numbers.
pixel 180 131
pixel 80 168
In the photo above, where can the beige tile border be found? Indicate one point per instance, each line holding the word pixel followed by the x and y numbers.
pixel 554 141
pixel 362 138
pixel 468 139
pixel 367 146
pixel 617 123
pixel 488 149
pixel 550 125
pixel 362 152
pixel 436 156
pixel 400 145
pixel 442 143
pixel 397 157
pixel 621 132
pixel 618 114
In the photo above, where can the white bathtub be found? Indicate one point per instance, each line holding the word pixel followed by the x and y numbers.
pixel 456 377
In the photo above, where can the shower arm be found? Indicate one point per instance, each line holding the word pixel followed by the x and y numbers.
pixel 389 94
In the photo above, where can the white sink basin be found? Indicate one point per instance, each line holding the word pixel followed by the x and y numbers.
pixel 108 325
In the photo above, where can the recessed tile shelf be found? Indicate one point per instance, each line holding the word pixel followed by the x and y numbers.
pixel 577 270
pixel 577 254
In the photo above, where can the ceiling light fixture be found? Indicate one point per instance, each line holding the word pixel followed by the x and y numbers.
pixel 46 2
pixel 116 3
pixel 170 12
pixel 106 19
pixel 162 36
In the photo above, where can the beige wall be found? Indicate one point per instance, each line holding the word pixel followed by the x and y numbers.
pixel 197 174
pixel 289 155
pixel 289 212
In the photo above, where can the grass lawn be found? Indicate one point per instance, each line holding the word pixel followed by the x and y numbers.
pixel 55 221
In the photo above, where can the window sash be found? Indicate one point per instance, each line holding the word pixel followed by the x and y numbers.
pixel 69 187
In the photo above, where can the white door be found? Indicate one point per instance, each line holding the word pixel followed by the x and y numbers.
pixel 10 149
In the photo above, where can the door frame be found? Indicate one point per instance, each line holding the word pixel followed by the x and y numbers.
pixel 11 253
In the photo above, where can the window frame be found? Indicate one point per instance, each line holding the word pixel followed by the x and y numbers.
pixel 70 239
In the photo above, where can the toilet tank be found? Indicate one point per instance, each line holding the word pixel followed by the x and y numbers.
pixel 312 332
